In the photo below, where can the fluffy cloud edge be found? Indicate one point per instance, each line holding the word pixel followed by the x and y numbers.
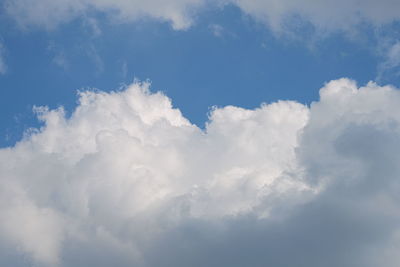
pixel 127 174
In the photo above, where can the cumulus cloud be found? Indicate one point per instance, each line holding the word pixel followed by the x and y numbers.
pixel 126 180
pixel 279 15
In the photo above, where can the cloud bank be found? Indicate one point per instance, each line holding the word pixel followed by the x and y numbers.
pixel 126 180
pixel 279 15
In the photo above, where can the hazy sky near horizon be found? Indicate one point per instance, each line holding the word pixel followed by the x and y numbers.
pixel 199 133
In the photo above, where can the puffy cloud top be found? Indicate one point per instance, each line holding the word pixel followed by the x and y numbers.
pixel 127 180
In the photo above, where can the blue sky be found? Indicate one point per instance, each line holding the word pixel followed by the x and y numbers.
pixel 225 58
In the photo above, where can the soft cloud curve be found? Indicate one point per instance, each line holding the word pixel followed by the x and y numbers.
pixel 126 176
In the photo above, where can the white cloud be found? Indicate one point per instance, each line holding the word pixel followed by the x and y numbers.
pixel 390 52
pixel 49 14
pixel 95 57
pixel 221 32
pixel 59 57
pixel 216 29
pixel 127 180
pixel 93 26
pixel 325 15
pixel 280 15
pixel 124 69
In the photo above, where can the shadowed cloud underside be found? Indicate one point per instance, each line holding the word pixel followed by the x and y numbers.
pixel 127 180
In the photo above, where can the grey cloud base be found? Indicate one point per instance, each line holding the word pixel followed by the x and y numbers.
pixel 128 181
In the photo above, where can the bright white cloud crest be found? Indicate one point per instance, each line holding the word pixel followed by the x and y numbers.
pixel 127 180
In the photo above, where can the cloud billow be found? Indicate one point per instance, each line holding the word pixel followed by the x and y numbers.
pixel 127 180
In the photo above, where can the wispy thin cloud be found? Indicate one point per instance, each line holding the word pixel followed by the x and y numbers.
pixel 94 55
pixel 390 56
pixel 3 65
pixel 58 55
